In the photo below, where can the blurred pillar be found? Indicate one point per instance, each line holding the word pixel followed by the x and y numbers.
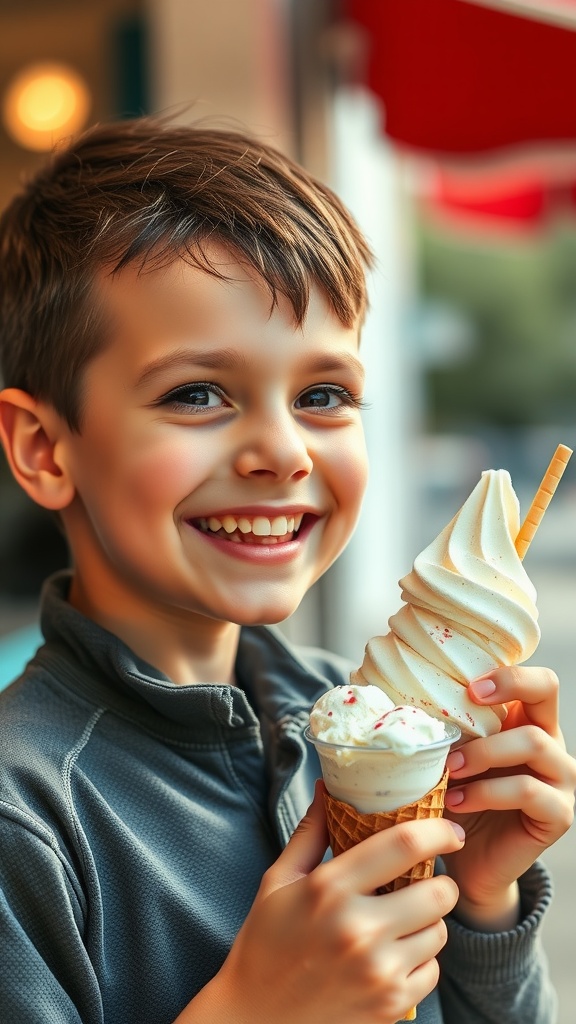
pixel 360 591
pixel 223 59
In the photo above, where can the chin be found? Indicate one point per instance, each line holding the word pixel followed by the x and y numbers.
pixel 270 616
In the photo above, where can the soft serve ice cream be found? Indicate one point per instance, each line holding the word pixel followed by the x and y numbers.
pixel 469 608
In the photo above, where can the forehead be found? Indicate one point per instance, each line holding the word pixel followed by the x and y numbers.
pixel 181 292
pixel 151 312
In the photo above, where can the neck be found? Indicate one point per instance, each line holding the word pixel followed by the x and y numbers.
pixel 187 647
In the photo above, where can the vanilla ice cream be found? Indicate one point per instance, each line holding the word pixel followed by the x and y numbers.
pixel 364 716
pixel 469 608
pixel 375 756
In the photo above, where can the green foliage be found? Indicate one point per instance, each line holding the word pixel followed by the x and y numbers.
pixel 520 296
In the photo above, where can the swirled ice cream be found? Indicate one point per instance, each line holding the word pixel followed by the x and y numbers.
pixel 469 608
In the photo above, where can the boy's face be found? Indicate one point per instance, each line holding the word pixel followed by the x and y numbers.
pixel 221 462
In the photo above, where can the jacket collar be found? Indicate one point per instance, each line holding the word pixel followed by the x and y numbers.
pixel 277 682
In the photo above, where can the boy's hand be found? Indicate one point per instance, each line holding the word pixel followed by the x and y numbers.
pixel 512 792
pixel 318 945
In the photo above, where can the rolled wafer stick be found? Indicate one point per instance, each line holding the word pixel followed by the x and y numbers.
pixel 542 498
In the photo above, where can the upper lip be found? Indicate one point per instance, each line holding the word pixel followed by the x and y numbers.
pixel 251 511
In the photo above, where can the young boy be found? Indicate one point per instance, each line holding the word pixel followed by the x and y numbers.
pixel 180 318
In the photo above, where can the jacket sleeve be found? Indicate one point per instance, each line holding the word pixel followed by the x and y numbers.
pixel 490 978
pixel 46 973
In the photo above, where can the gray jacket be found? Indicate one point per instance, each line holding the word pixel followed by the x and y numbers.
pixel 137 818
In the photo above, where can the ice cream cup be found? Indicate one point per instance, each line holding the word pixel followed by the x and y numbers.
pixel 373 779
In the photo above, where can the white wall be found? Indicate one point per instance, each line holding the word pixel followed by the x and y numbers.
pixel 362 592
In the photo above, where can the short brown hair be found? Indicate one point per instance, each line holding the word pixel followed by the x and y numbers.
pixel 146 192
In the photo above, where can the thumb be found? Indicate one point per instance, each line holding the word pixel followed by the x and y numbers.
pixel 306 846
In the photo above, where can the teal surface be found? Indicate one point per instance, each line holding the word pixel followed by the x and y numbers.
pixel 15 650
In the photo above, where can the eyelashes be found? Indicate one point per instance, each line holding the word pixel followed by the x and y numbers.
pixel 205 396
pixel 318 394
pixel 201 395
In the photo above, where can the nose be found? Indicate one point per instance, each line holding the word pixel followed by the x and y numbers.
pixel 276 448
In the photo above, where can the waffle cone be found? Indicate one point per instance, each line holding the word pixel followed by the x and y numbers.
pixel 347 827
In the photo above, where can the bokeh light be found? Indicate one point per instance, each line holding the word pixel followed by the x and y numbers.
pixel 43 103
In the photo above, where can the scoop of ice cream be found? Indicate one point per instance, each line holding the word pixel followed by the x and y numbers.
pixel 364 716
pixel 470 608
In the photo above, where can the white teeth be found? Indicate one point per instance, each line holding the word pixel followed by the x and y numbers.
pixel 260 526
pixel 279 526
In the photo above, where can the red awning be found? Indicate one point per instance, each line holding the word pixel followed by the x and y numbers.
pixel 462 79
pixel 458 77
pixel 509 201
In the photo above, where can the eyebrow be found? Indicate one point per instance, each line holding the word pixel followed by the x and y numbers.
pixel 231 359
pixel 331 363
pixel 182 359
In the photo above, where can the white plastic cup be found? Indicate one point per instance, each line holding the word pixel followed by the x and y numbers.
pixel 375 779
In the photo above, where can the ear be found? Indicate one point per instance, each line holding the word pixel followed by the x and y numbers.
pixel 32 434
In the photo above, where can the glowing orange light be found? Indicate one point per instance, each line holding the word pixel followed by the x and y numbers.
pixel 43 103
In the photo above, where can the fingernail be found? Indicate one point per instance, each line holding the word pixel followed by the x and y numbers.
pixel 459 831
pixel 454 797
pixel 455 760
pixel 483 687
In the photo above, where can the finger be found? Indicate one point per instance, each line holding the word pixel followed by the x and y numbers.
pixel 305 849
pixel 404 985
pixel 548 812
pixel 424 980
pixel 386 855
pixel 414 968
pixel 536 689
pixel 527 747
pixel 417 908
pixel 417 968
pixel 422 946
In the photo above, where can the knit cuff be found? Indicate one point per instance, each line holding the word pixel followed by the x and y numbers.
pixel 496 958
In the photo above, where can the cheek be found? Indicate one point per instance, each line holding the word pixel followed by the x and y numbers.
pixel 161 477
pixel 349 472
pixel 141 473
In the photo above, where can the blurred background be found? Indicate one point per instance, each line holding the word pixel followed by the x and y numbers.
pixel 449 128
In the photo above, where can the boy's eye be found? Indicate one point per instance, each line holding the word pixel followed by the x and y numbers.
pixel 327 396
pixel 195 396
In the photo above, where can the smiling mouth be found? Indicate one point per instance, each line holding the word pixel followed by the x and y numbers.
pixel 252 529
